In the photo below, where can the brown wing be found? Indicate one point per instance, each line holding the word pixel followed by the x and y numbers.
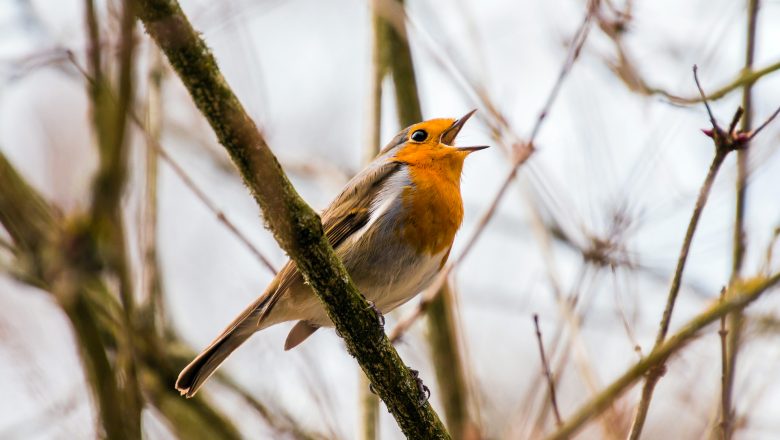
pixel 349 212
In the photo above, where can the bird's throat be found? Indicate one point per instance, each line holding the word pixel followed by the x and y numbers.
pixel 433 209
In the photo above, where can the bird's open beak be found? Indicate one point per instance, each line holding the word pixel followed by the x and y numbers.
pixel 448 137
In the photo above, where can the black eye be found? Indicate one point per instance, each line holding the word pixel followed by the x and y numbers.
pixel 419 136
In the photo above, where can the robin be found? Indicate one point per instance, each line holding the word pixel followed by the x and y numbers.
pixel 393 226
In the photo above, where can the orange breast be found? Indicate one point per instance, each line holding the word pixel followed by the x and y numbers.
pixel 433 209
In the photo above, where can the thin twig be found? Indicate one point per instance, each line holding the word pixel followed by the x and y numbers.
pixel 745 78
pixel 739 240
pixel 189 182
pixel 725 406
pixel 737 298
pixel 655 374
pixel 522 152
pixel 725 142
pixel 547 374
pixel 703 95
pixel 765 123
pixel 735 120
pixel 626 70
pixel 281 423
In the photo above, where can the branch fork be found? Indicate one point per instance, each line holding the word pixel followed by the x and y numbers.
pixel 732 139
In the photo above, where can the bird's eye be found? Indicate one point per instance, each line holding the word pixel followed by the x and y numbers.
pixel 419 136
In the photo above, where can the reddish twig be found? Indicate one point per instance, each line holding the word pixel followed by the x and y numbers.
pixel 201 195
pixel 547 374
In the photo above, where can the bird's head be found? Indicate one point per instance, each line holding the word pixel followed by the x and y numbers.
pixel 430 144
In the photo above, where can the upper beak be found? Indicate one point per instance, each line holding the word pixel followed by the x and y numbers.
pixel 448 137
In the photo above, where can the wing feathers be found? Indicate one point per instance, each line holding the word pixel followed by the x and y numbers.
pixel 348 213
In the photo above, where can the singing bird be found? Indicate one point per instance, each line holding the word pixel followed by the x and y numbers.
pixel 393 226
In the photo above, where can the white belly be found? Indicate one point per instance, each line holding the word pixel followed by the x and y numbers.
pixel 386 270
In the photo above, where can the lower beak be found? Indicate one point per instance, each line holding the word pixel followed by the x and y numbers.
pixel 448 137
pixel 472 149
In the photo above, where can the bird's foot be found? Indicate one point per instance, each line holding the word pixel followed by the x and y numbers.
pixel 425 392
pixel 379 316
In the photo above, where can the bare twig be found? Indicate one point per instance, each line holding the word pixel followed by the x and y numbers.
pixel 738 297
pixel 625 68
pixel 736 320
pixel 755 132
pixel 522 152
pixel 655 374
pixel 547 374
pixel 725 407
pixel 725 142
pixel 706 102
pixel 189 182
pixel 745 78
pixel 282 424
pixel 153 142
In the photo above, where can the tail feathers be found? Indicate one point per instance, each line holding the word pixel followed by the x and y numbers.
pixel 195 374
pixel 299 333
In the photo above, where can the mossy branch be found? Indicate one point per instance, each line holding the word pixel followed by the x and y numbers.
pixel 26 216
pixel 296 227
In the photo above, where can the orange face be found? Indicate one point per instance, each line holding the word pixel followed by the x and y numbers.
pixel 429 145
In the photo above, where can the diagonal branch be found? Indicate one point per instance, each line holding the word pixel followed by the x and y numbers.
pixel 738 297
pixel 294 224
